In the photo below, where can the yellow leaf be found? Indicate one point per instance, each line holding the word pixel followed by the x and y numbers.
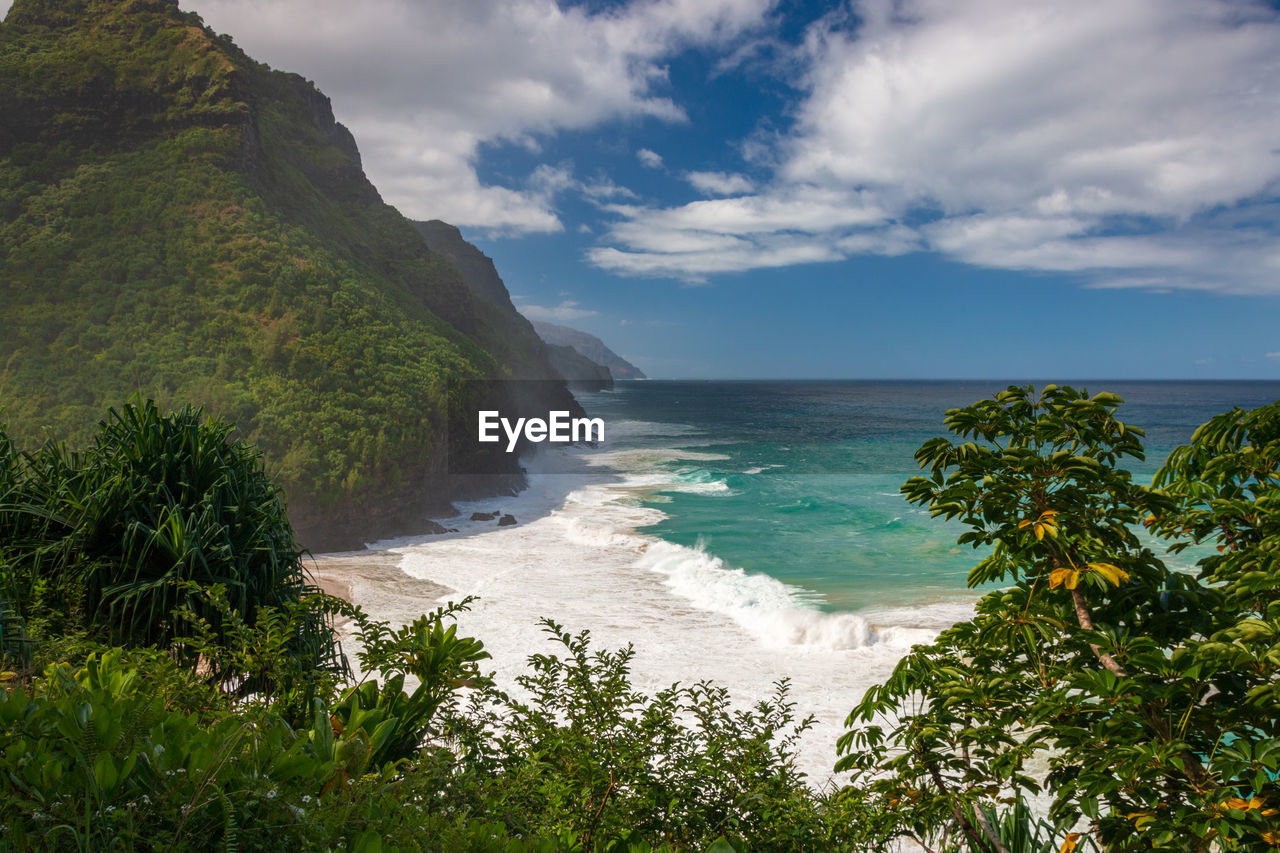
pixel 1243 805
pixel 1271 837
pixel 1114 574
pixel 1058 577
pixel 1039 531
pixel 1069 844
pixel 1141 819
pixel 1026 522
pixel 8 676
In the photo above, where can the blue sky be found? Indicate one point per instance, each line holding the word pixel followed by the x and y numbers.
pixel 751 188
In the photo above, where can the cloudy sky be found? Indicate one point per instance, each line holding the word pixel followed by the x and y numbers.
pixel 920 188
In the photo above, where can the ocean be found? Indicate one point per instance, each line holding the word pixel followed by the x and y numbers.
pixel 747 533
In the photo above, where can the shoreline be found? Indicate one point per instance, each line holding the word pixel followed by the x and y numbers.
pixel 374 574
pixel 579 554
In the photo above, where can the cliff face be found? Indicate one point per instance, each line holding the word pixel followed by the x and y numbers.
pixel 581 373
pixel 181 222
pixel 482 277
pixel 476 267
pixel 589 347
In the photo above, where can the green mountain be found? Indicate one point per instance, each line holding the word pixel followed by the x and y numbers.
pixel 579 371
pixel 589 347
pixel 180 221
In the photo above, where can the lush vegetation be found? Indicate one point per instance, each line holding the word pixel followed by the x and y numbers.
pixel 179 221
pixel 121 542
pixel 170 680
pixel 1140 702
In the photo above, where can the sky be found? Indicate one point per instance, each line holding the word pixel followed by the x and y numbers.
pixel 781 188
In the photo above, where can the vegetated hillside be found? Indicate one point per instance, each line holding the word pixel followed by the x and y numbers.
pixel 180 221
pixel 580 372
pixel 476 267
pixel 481 276
pixel 590 347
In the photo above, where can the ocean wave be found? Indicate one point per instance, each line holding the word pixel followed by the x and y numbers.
pixel 776 613
pixel 579 554
pixel 649 459
pixel 632 429
pixel 698 481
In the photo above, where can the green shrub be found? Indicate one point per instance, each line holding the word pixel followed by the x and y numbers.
pixel 1149 694
pixel 97 757
pixel 596 765
pixel 120 538
pixel 424 650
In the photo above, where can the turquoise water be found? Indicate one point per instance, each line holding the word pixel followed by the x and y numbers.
pixel 799 480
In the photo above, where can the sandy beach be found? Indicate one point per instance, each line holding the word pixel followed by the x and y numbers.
pixel 373 575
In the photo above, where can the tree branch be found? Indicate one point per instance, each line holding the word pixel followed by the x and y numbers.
pixel 1086 622
pixel 965 826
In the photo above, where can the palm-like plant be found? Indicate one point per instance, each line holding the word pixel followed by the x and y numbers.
pixel 159 507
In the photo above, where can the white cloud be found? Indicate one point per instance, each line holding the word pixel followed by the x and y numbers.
pixel 564 312
pixel 424 84
pixel 603 188
pixel 733 234
pixel 1275 355
pixel 649 159
pixel 693 262
pixel 1133 143
pixel 719 183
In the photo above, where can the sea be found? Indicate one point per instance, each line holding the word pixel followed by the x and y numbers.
pixel 750 533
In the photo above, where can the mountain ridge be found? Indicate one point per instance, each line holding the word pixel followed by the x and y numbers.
pixel 181 222
pixel 588 346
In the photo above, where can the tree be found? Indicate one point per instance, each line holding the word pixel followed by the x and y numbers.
pixel 1097 674
pixel 158 508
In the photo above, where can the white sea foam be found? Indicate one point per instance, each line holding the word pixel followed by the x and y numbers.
pixel 777 614
pixel 577 555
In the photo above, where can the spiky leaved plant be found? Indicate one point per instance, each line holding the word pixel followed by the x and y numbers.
pixel 158 508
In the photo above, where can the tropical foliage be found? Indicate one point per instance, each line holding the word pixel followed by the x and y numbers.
pixel 230 721
pixel 123 539
pixel 1138 700
pixel 1100 699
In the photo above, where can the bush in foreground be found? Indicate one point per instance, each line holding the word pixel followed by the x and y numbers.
pixel 186 691
pixel 118 540
pixel 1141 701
pixel 1149 694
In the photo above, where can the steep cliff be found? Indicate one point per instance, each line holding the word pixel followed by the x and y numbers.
pixel 589 347
pixel 182 222
pixel 476 267
pixel 480 274
pixel 581 373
